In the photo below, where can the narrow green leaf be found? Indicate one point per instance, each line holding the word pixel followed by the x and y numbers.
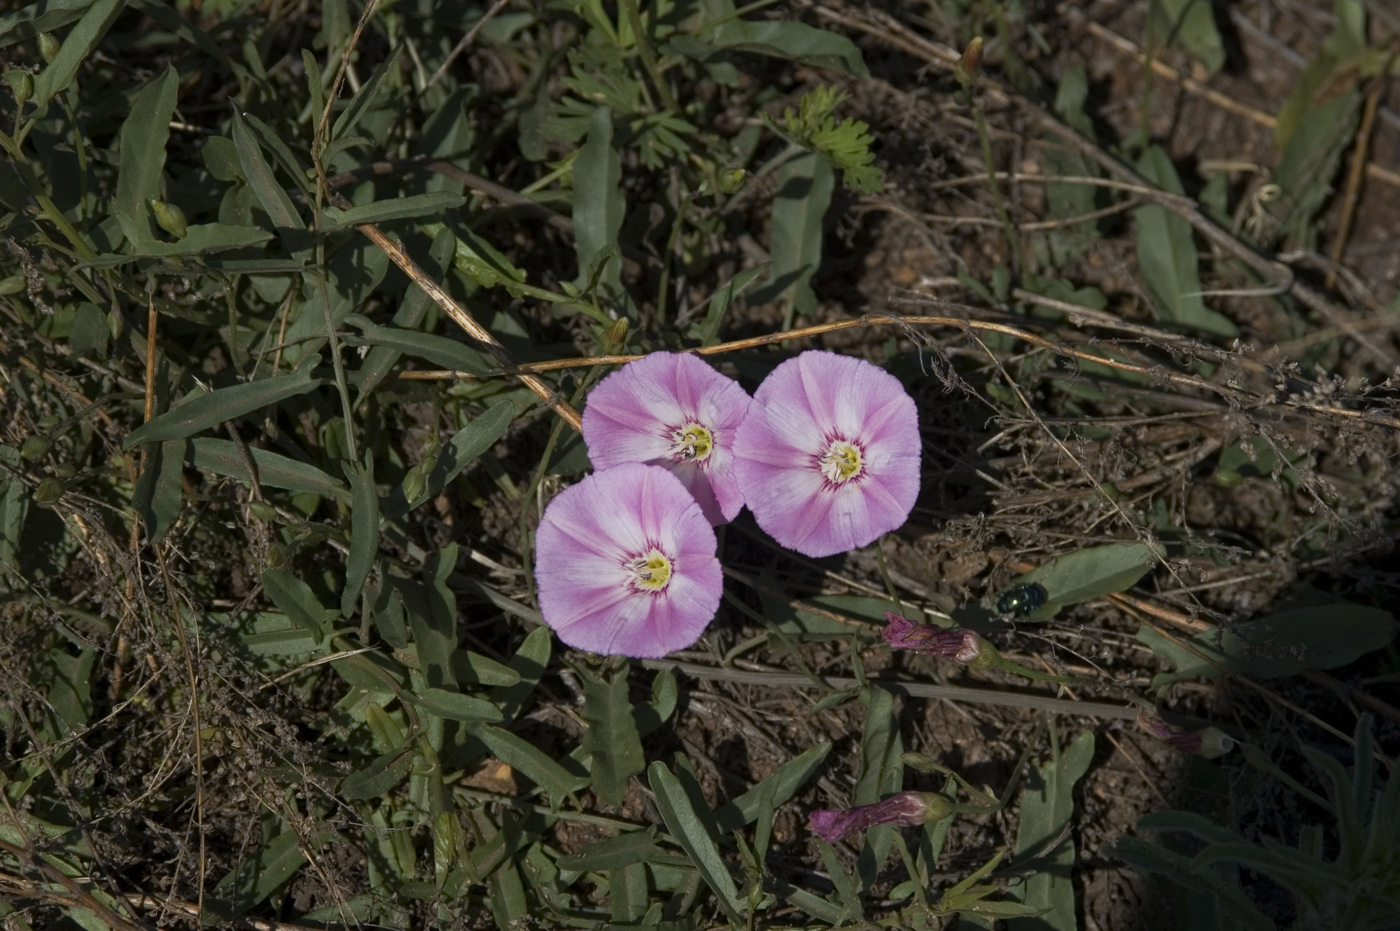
pixel 439 350
pixel 381 775
pixel 315 86
pixel 695 837
pixel 483 670
pixel 468 443
pixel 1047 807
pixel 364 533
pixel 612 741
pixel 805 185
pixel 454 706
pixel 785 39
pixel 159 488
pixel 1281 644
pixel 77 46
pixel 366 97
pixel 721 300
pixel 1087 574
pixel 270 194
pixel 435 629
pixel 529 663
pixel 254 880
pixel 142 155
pixel 1149 857
pixel 614 853
pixel 1166 251
pixel 881 773
pixel 537 766
pixel 29 21
pixel 1190 24
pixel 784 781
pixel 296 600
pixel 274 470
pixel 206 410
pixel 398 208
pixel 598 202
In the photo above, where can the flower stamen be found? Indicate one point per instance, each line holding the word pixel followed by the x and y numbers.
pixel 651 572
pixel 841 462
pixel 691 443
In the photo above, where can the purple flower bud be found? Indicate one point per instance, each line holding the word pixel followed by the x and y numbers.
pixel 904 809
pixel 960 646
pixel 1209 742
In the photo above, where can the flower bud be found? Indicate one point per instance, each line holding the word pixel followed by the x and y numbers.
pixel 49 46
pixel 903 809
pixel 971 61
pixel 262 511
pixel 731 181
pixel 961 646
pixel 35 447
pixel 21 84
pixel 49 491
pixel 169 218
pixel 1209 742
pixel 617 332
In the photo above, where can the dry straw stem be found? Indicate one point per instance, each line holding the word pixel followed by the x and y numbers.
pixel 1358 163
pixel 1276 274
pixel 1232 395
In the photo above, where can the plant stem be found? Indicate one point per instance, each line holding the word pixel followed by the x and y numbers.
pixel 663 289
pixel 639 35
pixel 985 136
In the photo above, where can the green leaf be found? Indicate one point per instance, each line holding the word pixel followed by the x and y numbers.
pixel 29 21
pixel 381 775
pixel 454 706
pixel 158 489
pixel 784 783
pixel 399 208
pixel 1282 644
pixel 721 300
pixel 786 39
pixel 439 350
pixel 805 185
pixel 529 664
pixel 696 837
pixel 1087 574
pixel 598 202
pixel 1047 808
pixel 254 880
pixel 77 46
pixel 614 852
pixel 274 470
pixel 206 410
pixel 364 533
pixel 296 600
pixel 1311 159
pixel 200 239
pixel 557 782
pixel 611 740
pixel 1150 857
pixel 483 670
pixel 142 155
pixel 1190 24
pixel 468 443
pixel 366 97
pixel 435 629
pixel 270 194
pixel 1166 253
pixel 881 773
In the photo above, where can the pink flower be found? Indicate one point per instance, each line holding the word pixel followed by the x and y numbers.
pixel 828 456
pixel 672 410
pixel 625 563
pixel 960 646
pixel 903 809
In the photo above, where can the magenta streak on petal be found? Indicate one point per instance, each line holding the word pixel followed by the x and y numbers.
pixel 814 389
pixel 600 631
pixel 586 536
pixel 878 422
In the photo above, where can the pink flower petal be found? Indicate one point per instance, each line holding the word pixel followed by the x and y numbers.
pixel 803 407
pixel 587 551
pixel 635 414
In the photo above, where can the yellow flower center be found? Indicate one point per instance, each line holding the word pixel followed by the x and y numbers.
pixel 650 572
pixel 841 462
pixel 692 443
